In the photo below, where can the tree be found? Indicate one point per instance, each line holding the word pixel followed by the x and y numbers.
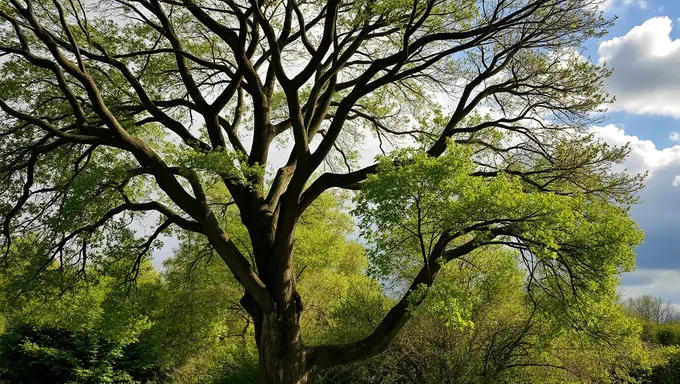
pixel 149 108
pixel 202 331
pixel 669 370
pixel 651 309
pixel 54 355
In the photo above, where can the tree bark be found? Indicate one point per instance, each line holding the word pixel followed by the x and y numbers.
pixel 281 353
pixel 282 356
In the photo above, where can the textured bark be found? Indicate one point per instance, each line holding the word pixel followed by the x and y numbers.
pixel 282 356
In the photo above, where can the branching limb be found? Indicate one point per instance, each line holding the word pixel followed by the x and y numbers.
pixel 326 356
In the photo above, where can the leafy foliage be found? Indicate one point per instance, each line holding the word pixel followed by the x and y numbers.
pixel 75 325
pixel 52 355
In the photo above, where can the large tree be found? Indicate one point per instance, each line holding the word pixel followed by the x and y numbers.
pixel 115 109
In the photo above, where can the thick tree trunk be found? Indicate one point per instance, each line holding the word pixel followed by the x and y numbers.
pixel 282 357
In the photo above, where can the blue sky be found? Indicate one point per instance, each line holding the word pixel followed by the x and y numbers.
pixel 643 48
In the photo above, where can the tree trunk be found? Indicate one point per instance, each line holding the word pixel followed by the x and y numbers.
pixel 282 358
pixel 281 353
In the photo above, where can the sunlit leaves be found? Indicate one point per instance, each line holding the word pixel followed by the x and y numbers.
pixel 574 240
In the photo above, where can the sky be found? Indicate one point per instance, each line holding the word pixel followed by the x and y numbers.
pixel 643 48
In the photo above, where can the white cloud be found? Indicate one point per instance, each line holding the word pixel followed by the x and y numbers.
pixel 656 282
pixel 610 5
pixel 645 61
pixel 642 4
pixel 644 155
pixel 676 181
pixel 674 136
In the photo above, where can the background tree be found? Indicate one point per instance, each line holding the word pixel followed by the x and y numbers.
pixel 651 309
pixel 121 108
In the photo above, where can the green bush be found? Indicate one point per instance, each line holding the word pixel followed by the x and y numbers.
pixel 669 372
pixel 53 355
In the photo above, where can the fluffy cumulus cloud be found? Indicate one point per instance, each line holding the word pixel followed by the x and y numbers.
pixel 646 79
pixel 659 257
pixel 644 156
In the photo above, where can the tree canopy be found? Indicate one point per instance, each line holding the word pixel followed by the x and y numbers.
pixel 117 114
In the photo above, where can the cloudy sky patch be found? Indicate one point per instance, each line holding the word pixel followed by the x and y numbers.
pixel 643 48
pixel 646 62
